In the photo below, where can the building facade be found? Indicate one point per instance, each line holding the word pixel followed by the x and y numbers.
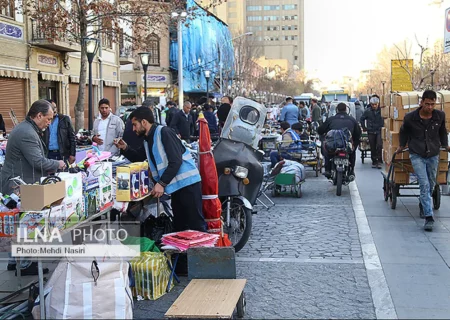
pixel 32 67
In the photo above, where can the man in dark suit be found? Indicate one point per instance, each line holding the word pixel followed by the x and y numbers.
pixel 182 123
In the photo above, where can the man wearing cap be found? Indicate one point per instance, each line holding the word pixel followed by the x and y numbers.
pixel 372 122
pixel 289 113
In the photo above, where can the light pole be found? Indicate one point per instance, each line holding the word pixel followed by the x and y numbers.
pixel 91 45
pixel 433 71
pixel 383 83
pixel 207 75
pixel 145 58
pixel 180 19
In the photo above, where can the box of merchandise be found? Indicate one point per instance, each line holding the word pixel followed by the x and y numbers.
pixel 399 113
pixel 394 138
pixel 144 184
pixel 128 182
pixel 57 218
pixel 35 197
pixel 385 112
pixel 74 184
pixel 33 223
pixel 73 211
pixel 401 177
pixel 396 125
pixel 383 133
pixel 401 99
pixel 443 166
pixel 443 102
pixel 8 221
pixel 388 124
pixel 442 177
pixel 443 155
pixel 91 202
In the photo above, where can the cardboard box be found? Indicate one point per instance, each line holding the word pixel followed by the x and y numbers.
pixel 36 197
pixel 401 177
pixel 144 177
pixel 57 218
pixel 396 125
pixel 8 221
pixel 73 211
pixel 443 166
pixel 394 138
pixel 128 182
pixel 389 124
pixel 385 112
pixel 74 184
pixel 442 178
pixel 91 202
pixel 33 221
pixel 400 112
pixel 443 155
pixel 383 133
pixel 401 99
pixel 135 180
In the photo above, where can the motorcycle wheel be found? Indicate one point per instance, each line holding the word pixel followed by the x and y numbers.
pixel 240 225
pixel 338 183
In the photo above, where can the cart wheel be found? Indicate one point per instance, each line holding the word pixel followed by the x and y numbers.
pixel 241 306
pixel 395 192
pixel 275 192
pixel 299 191
pixel 386 190
pixel 437 197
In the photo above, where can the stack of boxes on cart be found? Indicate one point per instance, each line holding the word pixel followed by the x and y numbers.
pixel 401 104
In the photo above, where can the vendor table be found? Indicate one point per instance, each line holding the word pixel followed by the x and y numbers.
pixel 39 260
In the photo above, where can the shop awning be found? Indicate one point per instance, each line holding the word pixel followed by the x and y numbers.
pixel 58 77
pixel 12 73
pixel 111 83
pixel 76 79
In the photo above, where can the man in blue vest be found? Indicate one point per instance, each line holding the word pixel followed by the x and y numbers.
pixel 172 167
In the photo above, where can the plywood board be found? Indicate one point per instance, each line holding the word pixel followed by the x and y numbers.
pixel 206 298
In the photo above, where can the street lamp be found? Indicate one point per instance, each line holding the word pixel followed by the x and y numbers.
pixel 145 59
pixel 207 75
pixel 91 45
pixel 433 71
pixel 383 83
pixel 180 19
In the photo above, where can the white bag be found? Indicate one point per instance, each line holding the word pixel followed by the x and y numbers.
pixel 74 293
pixel 295 168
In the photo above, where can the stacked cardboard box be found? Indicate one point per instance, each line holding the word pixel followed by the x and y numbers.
pixel 402 103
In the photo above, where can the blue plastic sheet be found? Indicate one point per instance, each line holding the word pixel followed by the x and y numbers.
pixel 206 38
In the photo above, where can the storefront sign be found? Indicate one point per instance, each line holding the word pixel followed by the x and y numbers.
pixel 154 92
pixel 47 60
pixel 155 78
pixel 11 31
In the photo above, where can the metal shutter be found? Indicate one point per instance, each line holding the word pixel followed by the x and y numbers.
pixel 12 96
pixel 110 94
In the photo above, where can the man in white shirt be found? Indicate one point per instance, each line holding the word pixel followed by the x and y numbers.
pixel 107 127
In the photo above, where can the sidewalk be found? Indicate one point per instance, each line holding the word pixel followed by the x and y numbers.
pixel 415 263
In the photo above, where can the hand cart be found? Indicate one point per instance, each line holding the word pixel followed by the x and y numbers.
pixel 364 146
pixel 286 184
pixel 392 189
pixel 268 144
pixel 312 155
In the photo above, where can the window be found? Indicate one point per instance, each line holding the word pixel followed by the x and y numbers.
pixel 283 28
pixel 270 8
pixel 254 18
pixel 295 58
pixel 232 15
pixel 8 9
pixel 286 37
pixel 290 7
pixel 273 28
pixel 152 44
pixel 271 18
pixel 254 28
pixel 249 114
pixel 294 18
pixel 254 8
pixel 295 27
pixel 231 4
pixel 294 37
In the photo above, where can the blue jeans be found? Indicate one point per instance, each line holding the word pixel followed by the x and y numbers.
pixel 275 157
pixel 426 171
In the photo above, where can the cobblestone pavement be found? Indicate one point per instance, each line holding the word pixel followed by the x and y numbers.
pixel 303 260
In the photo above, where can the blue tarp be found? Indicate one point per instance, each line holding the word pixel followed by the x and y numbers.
pixel 206 38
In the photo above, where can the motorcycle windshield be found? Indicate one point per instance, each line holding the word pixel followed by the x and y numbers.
pixel 245 122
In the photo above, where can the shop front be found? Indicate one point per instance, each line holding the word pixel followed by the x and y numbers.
pixel 13 95
pixel 73 96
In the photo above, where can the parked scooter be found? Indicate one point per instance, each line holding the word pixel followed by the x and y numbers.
pixel 239 168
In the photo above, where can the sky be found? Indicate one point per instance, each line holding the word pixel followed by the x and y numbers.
pixel 343 37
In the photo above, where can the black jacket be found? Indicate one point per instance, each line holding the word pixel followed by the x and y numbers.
pixel 170 113
pixel 340 121
pixel 422 140
pixel 172 146
pixel 183 125
pixel 66 137
pixel 372 121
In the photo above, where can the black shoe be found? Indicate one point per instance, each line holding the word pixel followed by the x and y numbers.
pixel 429 222
pixel 374 165
pixel 32 270
pixel 11 266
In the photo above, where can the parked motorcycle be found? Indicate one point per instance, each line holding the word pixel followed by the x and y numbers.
pixel 239 168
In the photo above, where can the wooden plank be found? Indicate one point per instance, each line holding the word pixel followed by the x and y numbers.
pixel 208 298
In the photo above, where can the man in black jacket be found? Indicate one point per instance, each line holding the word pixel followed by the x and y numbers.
pixel 170 113
pixel 60 137
pixel 424 132
pixel 338 122
pixel 182 123
pixel 372 122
